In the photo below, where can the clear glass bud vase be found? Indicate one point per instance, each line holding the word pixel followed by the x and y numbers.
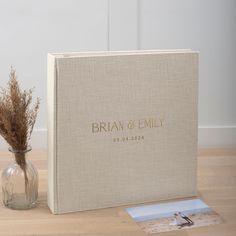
pixel 20 182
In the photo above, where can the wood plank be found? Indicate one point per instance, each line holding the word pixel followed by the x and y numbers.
pixel 216 185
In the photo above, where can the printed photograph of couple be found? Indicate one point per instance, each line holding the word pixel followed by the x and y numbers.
pixel 176 215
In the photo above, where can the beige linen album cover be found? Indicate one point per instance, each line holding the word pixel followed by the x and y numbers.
pixel 122 128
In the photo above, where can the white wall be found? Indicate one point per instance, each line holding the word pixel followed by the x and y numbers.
pixel 30 29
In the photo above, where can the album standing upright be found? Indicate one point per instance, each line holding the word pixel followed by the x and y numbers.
pixel 122 128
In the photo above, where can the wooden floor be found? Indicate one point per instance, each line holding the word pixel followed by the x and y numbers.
pixel 216 185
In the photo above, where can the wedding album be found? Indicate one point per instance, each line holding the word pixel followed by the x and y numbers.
pixel 122 128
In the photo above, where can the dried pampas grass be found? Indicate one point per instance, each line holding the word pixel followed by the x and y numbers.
pixel 17 117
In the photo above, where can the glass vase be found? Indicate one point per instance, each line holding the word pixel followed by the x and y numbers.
pixel 20 182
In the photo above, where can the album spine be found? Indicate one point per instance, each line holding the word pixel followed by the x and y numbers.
pixel 51 132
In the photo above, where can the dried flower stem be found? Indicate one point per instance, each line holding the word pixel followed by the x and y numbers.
pixel 17 118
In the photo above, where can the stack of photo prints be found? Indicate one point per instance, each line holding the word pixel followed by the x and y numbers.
pixel 175 215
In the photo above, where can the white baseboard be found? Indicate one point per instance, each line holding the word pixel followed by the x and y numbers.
pixel 217 136
pixel 38 140
pixel 208 136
